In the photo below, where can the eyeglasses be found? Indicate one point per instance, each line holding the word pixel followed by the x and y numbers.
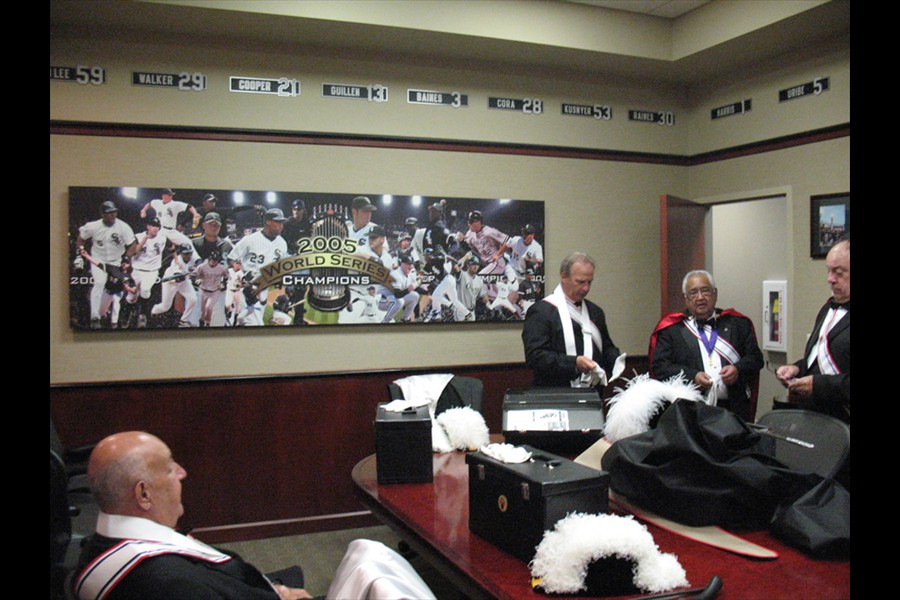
pixel 697 292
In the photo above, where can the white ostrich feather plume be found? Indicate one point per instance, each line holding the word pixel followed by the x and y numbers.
pixel 464 429
pixel 564 554
pixel 631 408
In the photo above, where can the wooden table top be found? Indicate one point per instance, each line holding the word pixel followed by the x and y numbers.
pixel 434 519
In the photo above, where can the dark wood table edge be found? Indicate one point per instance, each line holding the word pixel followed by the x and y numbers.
pixel 440 561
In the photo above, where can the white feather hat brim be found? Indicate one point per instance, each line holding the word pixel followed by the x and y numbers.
pixel 565 553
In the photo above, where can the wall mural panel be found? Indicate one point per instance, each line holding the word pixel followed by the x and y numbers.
pixel 151 258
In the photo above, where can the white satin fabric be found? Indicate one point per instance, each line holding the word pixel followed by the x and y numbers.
pixel 424 389
pixel 372 571
pixel 821 352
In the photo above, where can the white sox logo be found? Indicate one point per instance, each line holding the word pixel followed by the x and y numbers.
pixel 114 238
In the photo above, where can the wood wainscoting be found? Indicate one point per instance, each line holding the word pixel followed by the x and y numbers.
pixel 265 456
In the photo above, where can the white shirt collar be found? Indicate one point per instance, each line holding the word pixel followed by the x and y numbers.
pixel 139 528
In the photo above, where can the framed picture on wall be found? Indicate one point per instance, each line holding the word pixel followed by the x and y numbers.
pixel 159 258
pixel 829 222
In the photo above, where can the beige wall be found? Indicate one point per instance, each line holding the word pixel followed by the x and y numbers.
pixel 119 101
pixel 801 172
pixel 770 118
pixel 609 209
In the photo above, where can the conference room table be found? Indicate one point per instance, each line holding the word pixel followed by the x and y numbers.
pixel 433 518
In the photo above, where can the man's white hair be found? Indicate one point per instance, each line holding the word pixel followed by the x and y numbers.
pixel 696 273
pixel 565 268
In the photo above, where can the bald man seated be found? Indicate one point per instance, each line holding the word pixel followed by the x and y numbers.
pixel 136 552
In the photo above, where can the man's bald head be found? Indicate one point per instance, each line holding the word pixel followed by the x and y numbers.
pixel 133 473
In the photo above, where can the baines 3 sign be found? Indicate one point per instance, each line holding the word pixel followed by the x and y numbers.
pixel 162 258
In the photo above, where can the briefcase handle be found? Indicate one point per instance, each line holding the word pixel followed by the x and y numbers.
pixel 550 461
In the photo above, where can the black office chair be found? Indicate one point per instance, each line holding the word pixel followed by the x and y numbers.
pixel 460 391
pixel 74 458
pixel 830 439
pixel 73 517
pixel 61 513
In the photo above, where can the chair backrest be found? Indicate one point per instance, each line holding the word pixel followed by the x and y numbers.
pixel 830 438
pixel 60 524
pixel 60 514
pixel 470 390
pixel 467 390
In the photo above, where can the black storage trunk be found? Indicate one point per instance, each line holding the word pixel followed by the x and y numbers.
pixel 582 408
pixel 511 505
pixel 403 451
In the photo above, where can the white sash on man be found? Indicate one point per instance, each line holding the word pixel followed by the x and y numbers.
pixel 142 539
pixel 821 352
pixel 723 348
pixel 568 312
pixel 712 361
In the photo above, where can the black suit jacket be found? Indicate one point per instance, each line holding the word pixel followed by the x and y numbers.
pixel 831 393
pixel 677 351
pixel 545 345
pixel 178 577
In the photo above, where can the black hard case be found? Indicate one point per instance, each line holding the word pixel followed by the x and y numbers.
pixel 585 411
pixel 403 449
pixel 511 505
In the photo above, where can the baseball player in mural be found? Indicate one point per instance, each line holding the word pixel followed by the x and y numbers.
pixel 403 296
pixel 404 247
pixel 295 296
pixel 118 284
pixel 442 269
pixel 211 241
pixel 410 231
pixel 167 209
pixel 297 226
pixel 234 293
pixel 358 228
pixel 256 250
pixel 111 239
pixel 211 276
pixel 489 243
pixel 502 301
pixel 208 204
pixel 254 310
pixel 147 262
pixel 369 301
pixel 525 252
pixel 281 311
pixel 471 290
pixel 398 295
pixel 437 235
pixel 377 248
pixel 528 291
pixel 178 279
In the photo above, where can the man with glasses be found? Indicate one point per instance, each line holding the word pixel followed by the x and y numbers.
pixel 714 348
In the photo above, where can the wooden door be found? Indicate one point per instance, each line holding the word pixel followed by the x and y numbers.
pixel 683 246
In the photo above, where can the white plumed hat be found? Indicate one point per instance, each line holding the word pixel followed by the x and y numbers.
pixel 603 555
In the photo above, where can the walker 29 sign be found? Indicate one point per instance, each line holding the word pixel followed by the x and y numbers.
pixel 162 258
